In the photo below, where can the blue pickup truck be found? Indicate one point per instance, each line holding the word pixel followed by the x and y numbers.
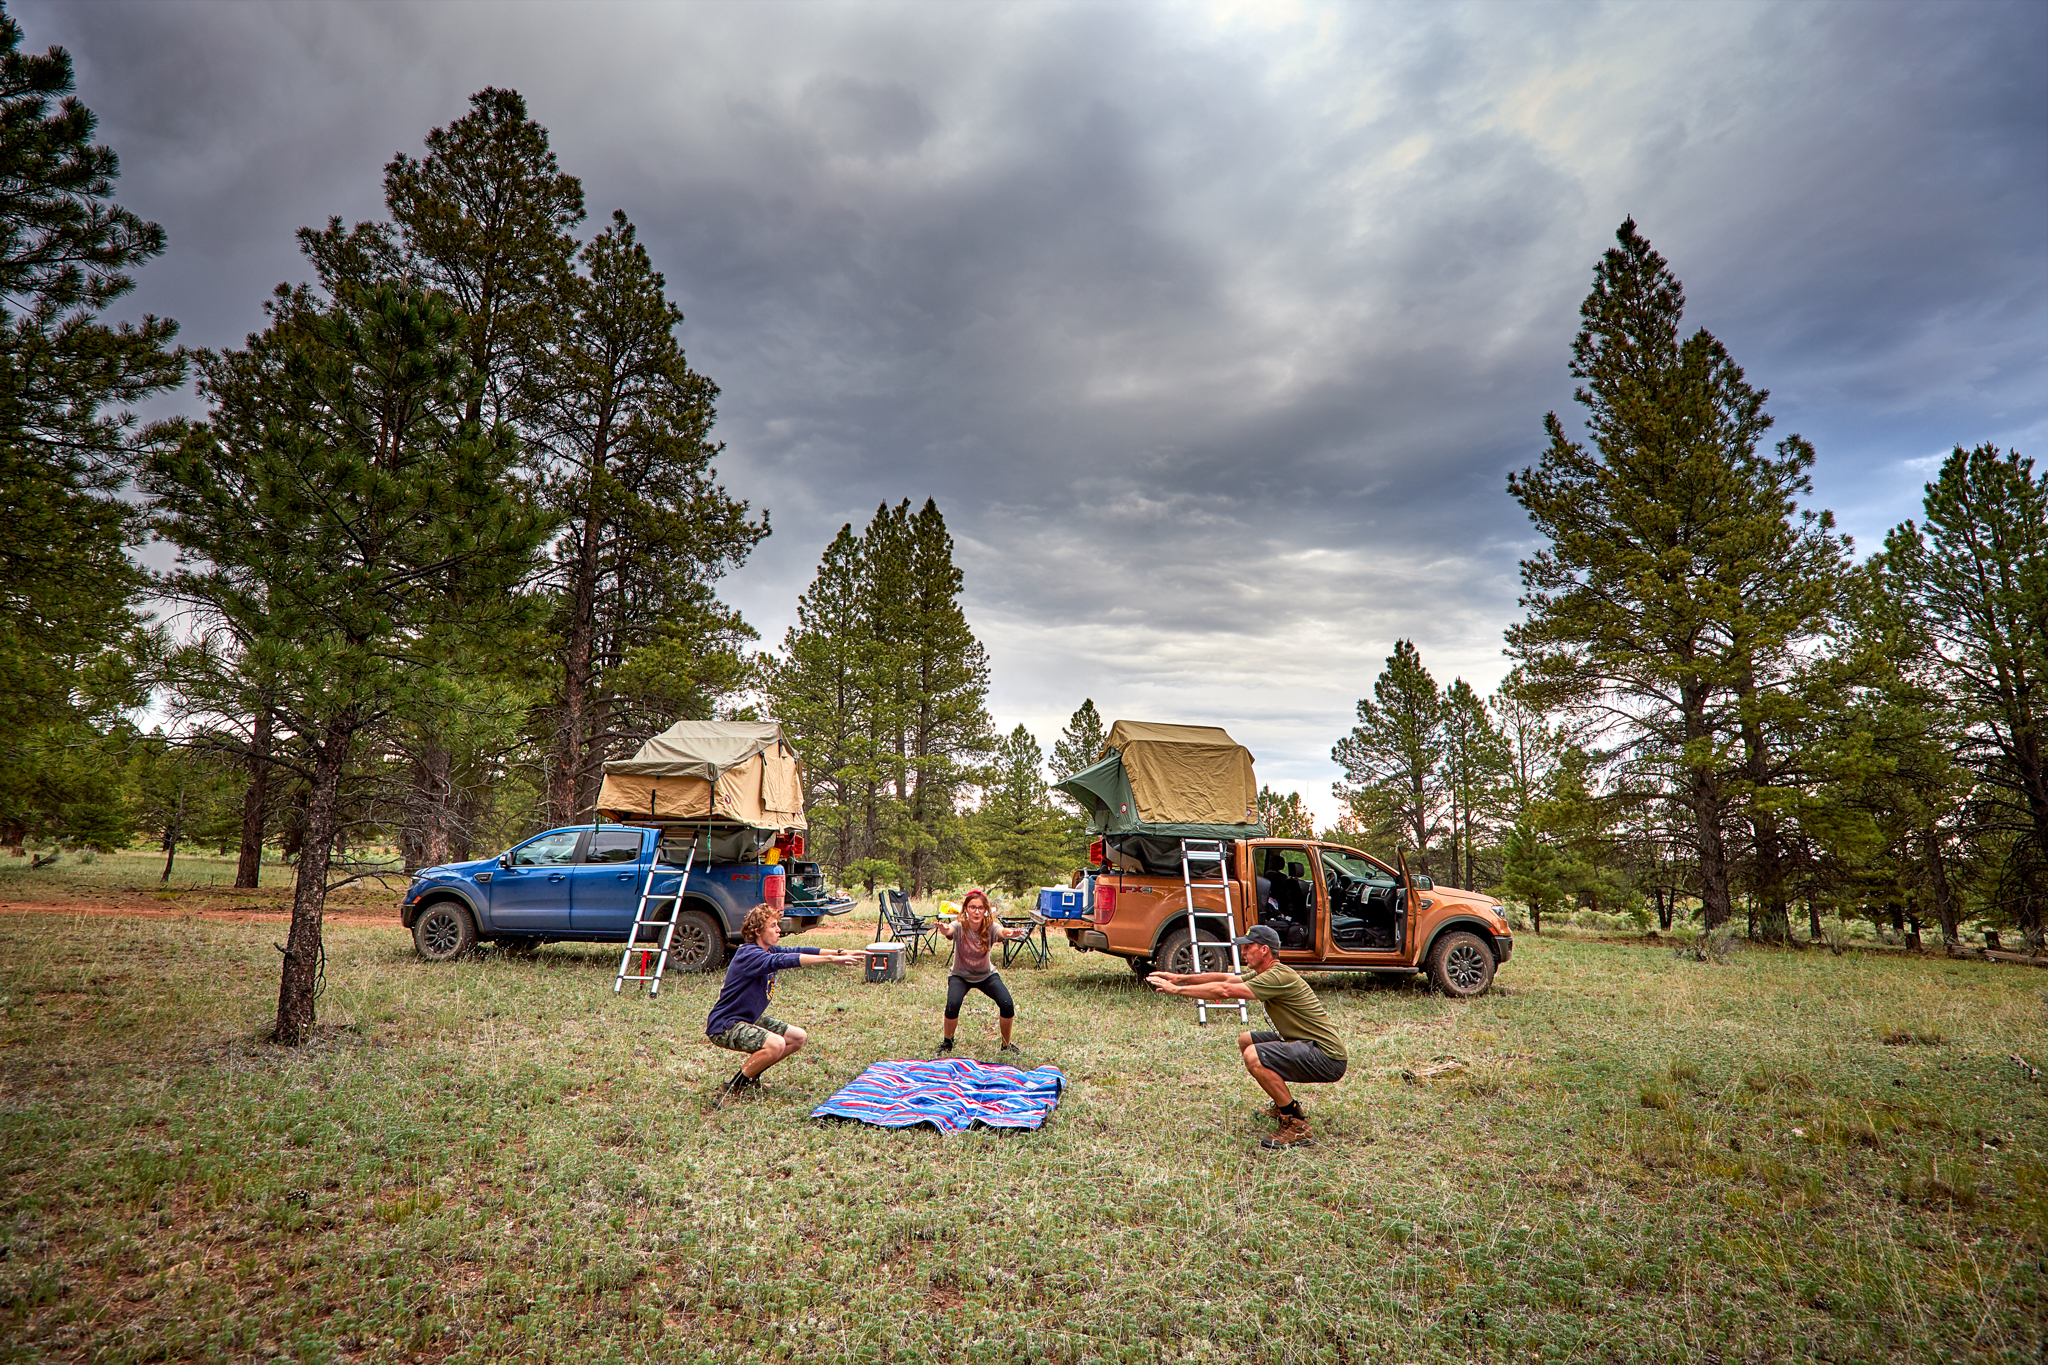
pixel 583 884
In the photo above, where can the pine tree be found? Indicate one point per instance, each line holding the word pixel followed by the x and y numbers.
pixel 1080 745
pixel 322 511
pixel 1285 817
pixel 485 217
pixel 71 642
pixel 1974 578
pixel 949 730
pixel 1476 765
pixel 1682 582
pixel 1395 752
pixel 625 424
pixel 1018 833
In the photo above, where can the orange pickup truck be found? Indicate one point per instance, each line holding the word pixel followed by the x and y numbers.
pixel 1335 909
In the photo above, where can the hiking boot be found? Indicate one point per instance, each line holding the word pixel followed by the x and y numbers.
pixel 1293 1133
pixel 1273 1113
pixel 945 1045
pixel 1009 1047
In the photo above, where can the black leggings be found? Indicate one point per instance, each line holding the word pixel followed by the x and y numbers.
pixel 991 986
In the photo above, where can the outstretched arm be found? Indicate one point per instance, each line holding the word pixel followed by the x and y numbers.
pixel 1194 978
pixel 1222 986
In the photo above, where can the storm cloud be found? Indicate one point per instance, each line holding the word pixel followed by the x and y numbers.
pixel 1214 329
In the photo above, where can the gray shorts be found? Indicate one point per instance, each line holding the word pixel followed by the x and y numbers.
pixel 1299 1061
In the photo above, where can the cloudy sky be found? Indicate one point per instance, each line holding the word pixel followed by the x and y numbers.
pixel 1215 329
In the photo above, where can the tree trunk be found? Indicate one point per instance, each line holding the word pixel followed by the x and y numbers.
pixel 424 842
pixel 255 799
pixel 1813 932
pixel 171 836
pixel 1945 910
pixel 565 782
pixel 300 981
pixel 1665 900
pixel 1716 900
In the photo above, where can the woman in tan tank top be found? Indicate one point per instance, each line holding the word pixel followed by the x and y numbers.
pixel 976 933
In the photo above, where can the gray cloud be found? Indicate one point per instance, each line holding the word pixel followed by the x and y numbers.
pixel 1214 329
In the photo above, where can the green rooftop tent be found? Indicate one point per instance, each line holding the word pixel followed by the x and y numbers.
pixel 1170 781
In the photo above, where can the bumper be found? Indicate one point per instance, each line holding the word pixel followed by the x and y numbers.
pixel 1503 947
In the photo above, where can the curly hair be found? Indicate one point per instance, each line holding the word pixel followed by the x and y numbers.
pixel 758 918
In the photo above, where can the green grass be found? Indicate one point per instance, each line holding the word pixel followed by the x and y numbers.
pixel 1639 1159
pixel 130 870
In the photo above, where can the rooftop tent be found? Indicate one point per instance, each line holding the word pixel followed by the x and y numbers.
pixel 1179 781
pixel 729 771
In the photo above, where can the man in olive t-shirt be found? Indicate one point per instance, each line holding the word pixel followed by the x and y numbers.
pixel 1302 1046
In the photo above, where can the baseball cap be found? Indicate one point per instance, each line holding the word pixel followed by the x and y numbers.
pixel 1259 933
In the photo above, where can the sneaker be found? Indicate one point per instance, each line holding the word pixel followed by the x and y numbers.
pixel 742 1081
pixel 1293 1133
pixel 1009 1047
pixel 945 1044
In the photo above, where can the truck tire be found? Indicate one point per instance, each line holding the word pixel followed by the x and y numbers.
pixel 444 931
pixel 1173 954
pixel 698 944
pixel 1461 965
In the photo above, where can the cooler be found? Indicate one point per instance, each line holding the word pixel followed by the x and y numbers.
pixel 1066 902
pixel 884 962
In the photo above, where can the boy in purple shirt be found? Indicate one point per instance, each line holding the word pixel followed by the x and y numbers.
pixel 739 1020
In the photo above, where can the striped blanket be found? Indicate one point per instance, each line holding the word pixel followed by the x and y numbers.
pixel 951 1095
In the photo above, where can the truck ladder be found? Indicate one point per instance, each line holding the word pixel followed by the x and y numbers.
pixel 665 929
pixel 1208 853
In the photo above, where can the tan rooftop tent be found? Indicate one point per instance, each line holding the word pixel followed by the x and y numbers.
pixel 1193 781
pixel 728 771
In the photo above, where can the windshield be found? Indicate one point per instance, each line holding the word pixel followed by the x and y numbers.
pixel 1347 863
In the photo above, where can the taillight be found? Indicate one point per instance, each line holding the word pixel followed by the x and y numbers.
pixel 1105 904
pixel 1095 854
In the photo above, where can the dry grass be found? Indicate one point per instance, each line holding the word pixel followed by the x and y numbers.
pixel 501 1160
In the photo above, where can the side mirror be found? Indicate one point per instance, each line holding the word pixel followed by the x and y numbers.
pixel 1423 884
pixel 504 860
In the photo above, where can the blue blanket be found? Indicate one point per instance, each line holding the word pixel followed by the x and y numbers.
pixel 952 1095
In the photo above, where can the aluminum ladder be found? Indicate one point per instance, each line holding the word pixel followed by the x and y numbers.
pixel 1209 853
pixel 666 927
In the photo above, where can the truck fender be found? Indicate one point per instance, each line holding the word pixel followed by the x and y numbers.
pixel 1467 923
pixel 412 912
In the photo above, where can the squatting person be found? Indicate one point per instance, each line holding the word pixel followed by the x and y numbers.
pixel 739 1018
pixel 976 932
pixel 1302 1047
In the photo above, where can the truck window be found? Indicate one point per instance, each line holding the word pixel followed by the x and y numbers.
pixel 548 850
pixel 614 846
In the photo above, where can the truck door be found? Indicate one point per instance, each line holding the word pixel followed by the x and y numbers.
pixel 1291 900
pixel 1367 909
pixel 530 893
pixel 604 886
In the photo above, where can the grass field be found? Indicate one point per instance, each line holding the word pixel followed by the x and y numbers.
pixel 1790 1156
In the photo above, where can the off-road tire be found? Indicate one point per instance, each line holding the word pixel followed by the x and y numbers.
pixel 1461 965
pixel 444 931
pixel 698 944
pixel 1173 955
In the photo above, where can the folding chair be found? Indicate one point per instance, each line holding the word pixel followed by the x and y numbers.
pixel 1033 942
pixel 917 934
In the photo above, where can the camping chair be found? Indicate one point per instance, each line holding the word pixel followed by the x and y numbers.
pixel 916 934
pixel 1032 945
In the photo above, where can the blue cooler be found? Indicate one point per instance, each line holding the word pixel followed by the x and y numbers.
pixel 1066 902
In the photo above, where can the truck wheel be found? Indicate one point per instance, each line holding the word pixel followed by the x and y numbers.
pixel 444 931
pixel 1461 965
pixel 698 945
pixel 1173 955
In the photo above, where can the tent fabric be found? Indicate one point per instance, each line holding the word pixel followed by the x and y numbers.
pixel 739 771
pixel 1184 781
pixel 952 1096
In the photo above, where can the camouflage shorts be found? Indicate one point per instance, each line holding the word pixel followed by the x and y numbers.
pixel 750 1037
